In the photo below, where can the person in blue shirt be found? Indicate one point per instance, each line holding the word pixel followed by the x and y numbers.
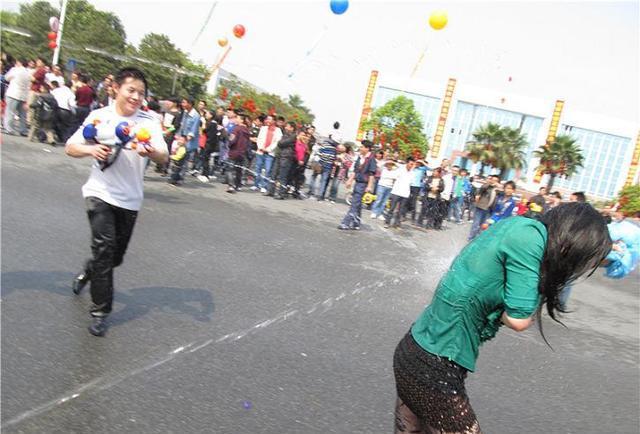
pixel 189 128
pixel 461 189
pixel 505 204
pixel 419 173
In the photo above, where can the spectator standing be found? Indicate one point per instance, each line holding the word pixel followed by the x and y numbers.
pixel 363 175
pixel 16 97
pixel 84 99
pixel 484 204
pixel 266 143
pixel 44 114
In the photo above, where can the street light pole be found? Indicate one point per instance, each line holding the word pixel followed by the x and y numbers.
pixel 56 52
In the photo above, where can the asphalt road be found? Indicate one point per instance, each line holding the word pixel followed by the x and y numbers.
pixel 238 314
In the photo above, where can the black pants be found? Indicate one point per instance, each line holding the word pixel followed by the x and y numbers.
pixel 396 209
pixel 412 203
pixel 111 229
pixel 205 157
pixel 81 114
pixel 433 210
pixel 234 177
pixel 275 175
pixel 286 171
pixel 64 124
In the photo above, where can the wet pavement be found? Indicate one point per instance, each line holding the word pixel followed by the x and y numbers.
pixel 238 313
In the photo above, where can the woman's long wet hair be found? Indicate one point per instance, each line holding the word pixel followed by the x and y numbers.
pixel 577 242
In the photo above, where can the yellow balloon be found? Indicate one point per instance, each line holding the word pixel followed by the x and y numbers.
pixel 223 41
pixel 438 20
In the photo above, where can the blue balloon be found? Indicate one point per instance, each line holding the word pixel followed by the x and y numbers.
pixel 339 7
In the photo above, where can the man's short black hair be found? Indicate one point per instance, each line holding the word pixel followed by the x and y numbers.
pixel 153 105
pixel 281 118
pixel 496 177
pixel 262 117
pixel 292 125
pixel 131 72
pixel 188 99
pixel 336 125
pixel 580 196
pixel 455 166
pixel 511 183
pixel 367 143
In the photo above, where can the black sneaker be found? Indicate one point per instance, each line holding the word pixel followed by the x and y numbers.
pixel 98 326
pixel 79 282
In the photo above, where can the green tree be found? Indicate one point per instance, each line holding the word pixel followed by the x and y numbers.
pixel 159 48
pixel 629 200
pixel 398 124
pixel 34 18
pixel 85 26
pixel 483 147
pixel 240 94
pixel 511 150
pixel 563 157
pixel 498 146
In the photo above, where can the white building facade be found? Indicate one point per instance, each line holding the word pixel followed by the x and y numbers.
pixel 607 144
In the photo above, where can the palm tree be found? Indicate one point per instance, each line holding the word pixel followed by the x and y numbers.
pixel 510 150
pixel 483 146
pixel 563 157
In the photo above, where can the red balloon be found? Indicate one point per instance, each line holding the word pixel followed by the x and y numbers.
pixel 238 30
pixel 53 45
pixel 52 36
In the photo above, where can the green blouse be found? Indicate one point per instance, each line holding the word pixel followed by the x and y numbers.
pixel 497 272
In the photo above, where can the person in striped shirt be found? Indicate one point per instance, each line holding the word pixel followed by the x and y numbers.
pixel 327 154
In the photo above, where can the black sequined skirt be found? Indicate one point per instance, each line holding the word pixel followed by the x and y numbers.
pixel 432 387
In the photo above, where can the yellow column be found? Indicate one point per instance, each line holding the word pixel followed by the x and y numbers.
pixel 366 107
pixel 635 161
pixel 553 130
pixel 442 120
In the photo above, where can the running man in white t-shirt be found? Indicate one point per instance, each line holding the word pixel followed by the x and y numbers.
pixel 113 194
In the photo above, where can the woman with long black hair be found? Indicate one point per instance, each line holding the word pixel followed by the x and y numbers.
pixel 505 276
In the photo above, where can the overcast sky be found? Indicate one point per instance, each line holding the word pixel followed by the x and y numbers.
pixel 586 52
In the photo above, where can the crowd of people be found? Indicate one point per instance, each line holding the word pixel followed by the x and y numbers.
pixel 41 103
pixel 269 154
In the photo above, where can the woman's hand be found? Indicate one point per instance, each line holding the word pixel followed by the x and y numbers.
pixel 516 324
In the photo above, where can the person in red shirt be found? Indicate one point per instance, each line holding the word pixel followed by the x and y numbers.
pixel 84 98
pixel 37 80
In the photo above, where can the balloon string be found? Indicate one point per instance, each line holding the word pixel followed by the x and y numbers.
pixel 309 51
pixel 420 59
pixel 219 64
pixel 215 3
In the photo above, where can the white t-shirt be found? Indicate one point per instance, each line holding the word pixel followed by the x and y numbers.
pixel 120 184
pixel 65 98
pixel 448 186
pixel 19 79
pixel 51 76
pixel 388 176
pixel 402 186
